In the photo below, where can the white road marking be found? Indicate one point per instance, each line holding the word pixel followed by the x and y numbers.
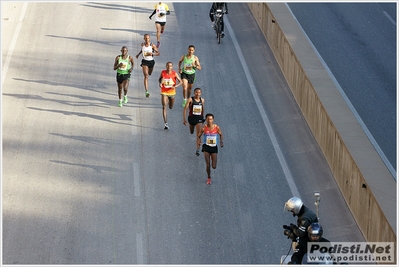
pixel 389 17
pixel 265 119
pixel 13 42
pixel 139 248
pixel 136 179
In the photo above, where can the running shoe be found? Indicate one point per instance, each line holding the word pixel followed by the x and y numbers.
pixel 209 181
pixel 147 94
pixel 166 127
pixel 222 35
pixel 197 152
pixel 125 99
pixel 158 44
pixel 184 103
pixel 120 103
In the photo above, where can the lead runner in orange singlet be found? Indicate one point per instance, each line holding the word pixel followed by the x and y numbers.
pixel 212 138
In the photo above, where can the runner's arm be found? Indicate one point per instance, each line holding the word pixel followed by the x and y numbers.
pixel 180 61
pixel 184 110
pixel 203 110
pixel 179 79
pixel 160 80
pixel 116 65
pixel 221 136
pixel 155 11
pixel 167 9
pixel 154 48
pixel 138 54
pixel 199 135
pixel 197 63
pixel 131 64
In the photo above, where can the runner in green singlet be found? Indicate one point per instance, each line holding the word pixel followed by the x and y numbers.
pixel 191 63
pixel 123 65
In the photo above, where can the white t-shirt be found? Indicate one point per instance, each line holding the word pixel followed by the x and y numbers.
pixel 161 9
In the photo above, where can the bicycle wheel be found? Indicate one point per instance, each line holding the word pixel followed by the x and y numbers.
pixel 219 32
pixel 215 27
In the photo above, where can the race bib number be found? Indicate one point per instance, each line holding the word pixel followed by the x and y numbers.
pixel 168 83
pixel 197 109
pixel 211 140
pixel 147 54
pixel 188 67
pixel 161 11
pixel 124 66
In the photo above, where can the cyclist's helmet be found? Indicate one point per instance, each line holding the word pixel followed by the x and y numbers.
pixel 315 231
pixel 293 204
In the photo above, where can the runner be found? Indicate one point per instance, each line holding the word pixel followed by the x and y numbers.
pixel 190 65
pixel 195 118
pixel 149 50
pixel 212 134
pixel 161 10
pixel 167 83
pixel 123 65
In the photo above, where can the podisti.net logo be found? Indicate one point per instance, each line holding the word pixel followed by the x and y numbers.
pixel 351 252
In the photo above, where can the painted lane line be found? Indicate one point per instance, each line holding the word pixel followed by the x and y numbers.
pixel 13 42
pixel 265 118
pixel 139 248
pixel 389 17
pixel 136 179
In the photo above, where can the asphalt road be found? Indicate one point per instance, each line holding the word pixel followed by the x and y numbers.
pixel 87 182
pixel 357 41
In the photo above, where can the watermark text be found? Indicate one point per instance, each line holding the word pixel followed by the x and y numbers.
pixel 351 252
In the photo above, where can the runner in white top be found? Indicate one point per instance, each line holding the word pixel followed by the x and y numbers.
pixel 149 50
pixel 161 10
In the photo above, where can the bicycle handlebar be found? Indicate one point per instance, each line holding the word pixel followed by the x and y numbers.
pixel 223 12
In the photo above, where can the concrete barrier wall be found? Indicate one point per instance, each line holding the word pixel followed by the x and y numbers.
pixel 365 182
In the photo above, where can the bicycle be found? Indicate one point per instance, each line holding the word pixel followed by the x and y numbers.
pixel 217 25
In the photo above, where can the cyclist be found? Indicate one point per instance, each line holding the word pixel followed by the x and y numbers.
pixel 216 6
